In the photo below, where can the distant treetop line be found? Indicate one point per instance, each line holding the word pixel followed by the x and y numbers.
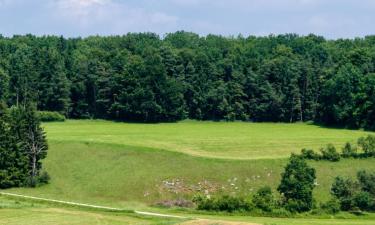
pixel 141 77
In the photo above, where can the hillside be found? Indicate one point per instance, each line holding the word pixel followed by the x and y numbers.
pixel 119 164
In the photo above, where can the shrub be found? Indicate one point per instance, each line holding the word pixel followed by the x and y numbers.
pixel 329 153
pixel 367 181
pixel 43 178
pixel 363 200
pixel 223 203
pixel 263 199
pixel 349 151
pixel 47 116
pixel 355 194
pixel 331 207
pixel 231 204
pixel 309 154
pixel 368 145
pixel 344 189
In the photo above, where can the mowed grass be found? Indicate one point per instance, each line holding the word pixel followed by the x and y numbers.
pixel 134 177
pixel 232 140
pixel 18 212
pixel 135 166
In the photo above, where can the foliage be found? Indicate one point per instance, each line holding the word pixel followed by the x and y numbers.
pixel 43 178
pixel 355 195
pixel 222 203
pixel 331 207
pixel 329 153
pixel 297 184
pixel 367 144
pixel 46 116
pixel 263 199
pixel 22 146
pixel 349 151
pixel 13 161
pixel 143 77
pixel 310 154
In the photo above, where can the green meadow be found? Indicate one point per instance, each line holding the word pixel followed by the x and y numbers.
pixel 136 166
pixel 229 140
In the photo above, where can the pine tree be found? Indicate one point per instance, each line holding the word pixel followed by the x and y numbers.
pixel 13 163
pixel 31 137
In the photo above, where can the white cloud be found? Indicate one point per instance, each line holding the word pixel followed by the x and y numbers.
pixel 114 17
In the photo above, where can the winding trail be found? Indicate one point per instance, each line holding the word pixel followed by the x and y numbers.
pixel 90 206
pixel 191 220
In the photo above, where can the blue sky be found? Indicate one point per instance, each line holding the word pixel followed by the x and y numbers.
pixel 72 18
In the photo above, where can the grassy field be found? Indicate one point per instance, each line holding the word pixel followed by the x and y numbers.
pixel 237 140
pixel 19 212
pixel 16 212
pixel 134 166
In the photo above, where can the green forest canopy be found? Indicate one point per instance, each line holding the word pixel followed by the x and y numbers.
pixel 142 77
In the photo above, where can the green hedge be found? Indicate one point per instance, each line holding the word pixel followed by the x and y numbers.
pixel 46 116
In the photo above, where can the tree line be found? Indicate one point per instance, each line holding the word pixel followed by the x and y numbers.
pixel 143 77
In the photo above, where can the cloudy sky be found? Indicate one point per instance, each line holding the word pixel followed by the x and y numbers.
pixel 72 18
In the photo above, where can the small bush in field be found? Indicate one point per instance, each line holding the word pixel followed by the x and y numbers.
pixel 46 116
pixel 368 145
pixel 43 178
pixel 331 207
pixel 264 199
pixel 310 154
pixel 330 153
pixel 349 151
pixel 224 203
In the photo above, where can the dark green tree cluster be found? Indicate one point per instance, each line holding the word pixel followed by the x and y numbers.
pixel 22 146
pixel 357 194
pixel 142 77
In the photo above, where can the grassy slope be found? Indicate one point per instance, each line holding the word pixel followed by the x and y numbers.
pixel 117 175
pixel 210 139
pixel 102 164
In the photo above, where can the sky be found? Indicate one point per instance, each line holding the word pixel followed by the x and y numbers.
pixel 72 18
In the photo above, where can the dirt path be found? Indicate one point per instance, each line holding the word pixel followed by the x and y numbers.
pixel 193 221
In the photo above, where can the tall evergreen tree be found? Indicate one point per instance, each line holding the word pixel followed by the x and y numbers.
pixel 31 137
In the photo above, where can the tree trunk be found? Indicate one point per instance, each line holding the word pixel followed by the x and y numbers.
pixel 33 170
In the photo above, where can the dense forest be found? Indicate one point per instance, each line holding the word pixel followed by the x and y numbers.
pixel 143 77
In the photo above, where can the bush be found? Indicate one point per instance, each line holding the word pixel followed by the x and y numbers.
pixel 43 178
pixel 355 194
pixel 331 207
pixel 223 203
pixel 309 154
pixel 367 181
pixel 363 201
pixel 263 199
pixel 349 151
pixel 368 145
pixel 329 153
pixel 46 116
